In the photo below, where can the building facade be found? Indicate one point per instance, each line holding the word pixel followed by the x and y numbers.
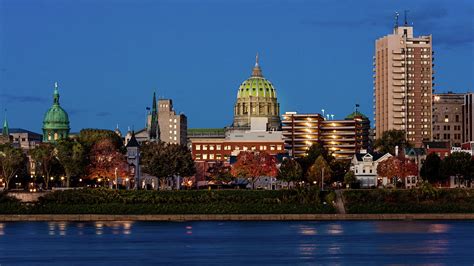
pixel 56 120
pixel 221 149
pixel 364 165
pixel 447 117
pixel 256 97
pixel 403 84
pixel 342 138
pixel 467 118
pixel 173 126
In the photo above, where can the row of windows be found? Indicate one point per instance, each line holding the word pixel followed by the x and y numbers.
pixel 218 147
pixel 211 156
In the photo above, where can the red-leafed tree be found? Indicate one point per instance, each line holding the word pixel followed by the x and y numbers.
pixel 252 165
pixel 106 160
pixel 395 167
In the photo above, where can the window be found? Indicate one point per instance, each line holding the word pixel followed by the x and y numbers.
pixel 211 156
pixel 279 147
pixel 218 156
pixel 198 147
pixel 211 147
pixel 218 147
pixel 204 156
pixel 272 147
pixel 198 156
pixel 204 147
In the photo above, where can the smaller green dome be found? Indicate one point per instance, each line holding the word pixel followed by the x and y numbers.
pixel 354 114
pixel 56 118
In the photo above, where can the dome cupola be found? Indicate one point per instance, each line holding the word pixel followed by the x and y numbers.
pixel 56 120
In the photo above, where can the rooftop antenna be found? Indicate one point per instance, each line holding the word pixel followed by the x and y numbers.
pixel 406 18
pixel 396 19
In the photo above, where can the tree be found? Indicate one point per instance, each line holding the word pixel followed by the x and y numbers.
pixel 252 165
pixel 431 169
pixel 350 178
pixel 290 171
pixel 166 160
pixel 219 172
pixel 315 150
pixel 339 169
pixel 71 156
pixel 389 140
pixel 45 159
pixel 88 137
pixel 12 161
pixel 320 170
pixel 106 160
pixel 395 167
pixel 459 165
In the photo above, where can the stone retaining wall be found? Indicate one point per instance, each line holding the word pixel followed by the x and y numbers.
pixel 233 217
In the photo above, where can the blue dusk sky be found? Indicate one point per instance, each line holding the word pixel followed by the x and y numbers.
pixel 109 56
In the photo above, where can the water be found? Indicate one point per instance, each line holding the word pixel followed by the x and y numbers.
pixel 257 243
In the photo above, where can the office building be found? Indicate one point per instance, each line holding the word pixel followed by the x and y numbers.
pixel 447 117
pixel 467 118
pixel 403 84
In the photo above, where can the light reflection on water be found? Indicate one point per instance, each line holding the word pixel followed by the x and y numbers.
pixel 371 242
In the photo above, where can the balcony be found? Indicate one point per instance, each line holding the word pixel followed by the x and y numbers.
pixel 398 64
pixel 399 57
pixel 398 96
pixel 398 103
pixel 398 70
pixel 399 77
pixel 398 83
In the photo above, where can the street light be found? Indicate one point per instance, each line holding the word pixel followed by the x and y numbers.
pixel 116 178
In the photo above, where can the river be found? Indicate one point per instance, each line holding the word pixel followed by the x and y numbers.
pixel 236 243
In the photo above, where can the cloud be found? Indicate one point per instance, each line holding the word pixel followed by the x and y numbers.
pixel 102 114
pixel 22 99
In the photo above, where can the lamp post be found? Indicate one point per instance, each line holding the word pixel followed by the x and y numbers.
pixel 116 178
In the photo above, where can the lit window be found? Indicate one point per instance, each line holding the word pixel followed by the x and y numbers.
pixel 218 147
pixel 198 147
pixel 211 147
pixel 204 147
pixel 204 156
pixel 211 156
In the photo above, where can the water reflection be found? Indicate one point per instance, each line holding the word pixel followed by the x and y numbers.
pixel 410 227
pixel 61 228
pixel 2 229
pixel 335 229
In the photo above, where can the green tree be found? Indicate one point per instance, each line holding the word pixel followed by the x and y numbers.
pixel 290 171
pixel 339 169
pixel 350 178
pixel 458 164
pixel 166 160
pixel 320 170
pixel 46 162
pixel 72 157
pixel 88 137
pixel 315 150
pixel 389 140
pixel 12 162
pixel 431 169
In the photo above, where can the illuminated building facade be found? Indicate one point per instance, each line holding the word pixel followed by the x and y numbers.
pixel 343 138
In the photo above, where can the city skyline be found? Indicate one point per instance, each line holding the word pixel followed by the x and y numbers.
pixel 108 68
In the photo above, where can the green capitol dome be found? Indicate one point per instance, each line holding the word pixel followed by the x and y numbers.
pixel 256 97
pixel 56 120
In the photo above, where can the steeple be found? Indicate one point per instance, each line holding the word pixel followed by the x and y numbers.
pixel 5 131
pixel 56 94
pixel 153 127
pixel 257 71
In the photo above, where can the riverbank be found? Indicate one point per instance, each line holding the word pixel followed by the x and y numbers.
pixel 232 217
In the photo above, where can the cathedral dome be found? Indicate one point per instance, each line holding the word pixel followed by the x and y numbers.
pixel 56 120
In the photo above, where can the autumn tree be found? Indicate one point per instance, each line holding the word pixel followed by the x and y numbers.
pixel 320 170
pixel 431 169
pixel 46 161
pixel 164 160
pixel 220 172
pixel 253 165
pixel 71 156
pixel 106 160
pixel 395 168
pixel 390 139
pixel 12 162
pixel 290 171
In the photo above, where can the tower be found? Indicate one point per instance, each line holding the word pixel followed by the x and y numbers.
pixel 403 74
pixel 153 128
pixel 56 120
pixel 256 97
